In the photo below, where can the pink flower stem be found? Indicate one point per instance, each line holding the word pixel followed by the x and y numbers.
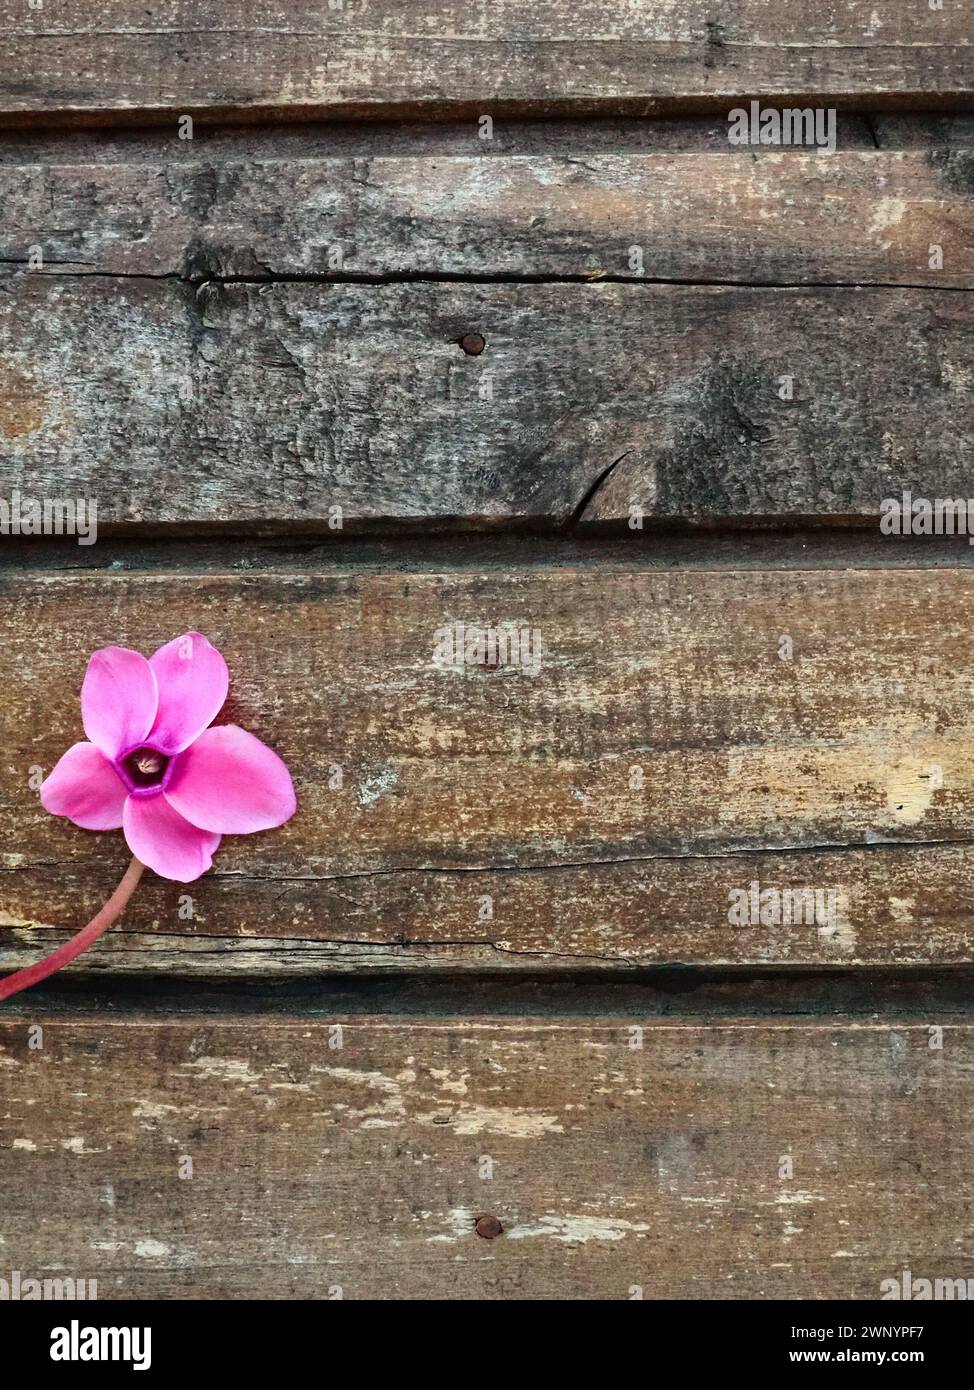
pixel 102 920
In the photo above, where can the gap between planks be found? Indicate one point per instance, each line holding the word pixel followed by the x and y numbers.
pixel 667 996
pixel 751 544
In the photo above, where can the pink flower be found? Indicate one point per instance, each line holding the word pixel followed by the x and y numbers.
pixel 155 769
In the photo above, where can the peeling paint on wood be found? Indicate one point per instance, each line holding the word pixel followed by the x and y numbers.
pixel 356 1169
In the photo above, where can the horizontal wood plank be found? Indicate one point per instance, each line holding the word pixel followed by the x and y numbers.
pixel 892 905
pixel 273 405
pixel 597 814
pixel 358 1171
pixel 785 217
pixel 228 56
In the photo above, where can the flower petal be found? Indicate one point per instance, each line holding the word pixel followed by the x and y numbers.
pixel 230 782
pixel 165 842
pixel 118 700
pixel 86 788
pixel 193 681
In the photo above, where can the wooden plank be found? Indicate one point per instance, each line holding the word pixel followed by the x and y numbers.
pixel 359 1172
pixel 867 216
pixel 270 405
pixel 597 814
pixel 892 905
pixel 225 56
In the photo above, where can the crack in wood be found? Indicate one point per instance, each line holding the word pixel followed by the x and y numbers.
pixel 448 277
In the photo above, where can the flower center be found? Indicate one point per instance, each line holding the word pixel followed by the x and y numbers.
pixel 146 767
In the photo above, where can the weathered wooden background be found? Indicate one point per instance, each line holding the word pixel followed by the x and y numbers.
pixel 341 372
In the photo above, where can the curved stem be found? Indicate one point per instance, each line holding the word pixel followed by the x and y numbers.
pixel 113 909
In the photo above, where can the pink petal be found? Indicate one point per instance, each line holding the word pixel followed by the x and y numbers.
pixel 192 678
pixel 230 782
pixel 165 842
pixel 86 788
pixel 118 700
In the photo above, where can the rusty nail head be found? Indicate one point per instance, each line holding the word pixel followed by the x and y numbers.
pixel 473 344
pixel 488 1227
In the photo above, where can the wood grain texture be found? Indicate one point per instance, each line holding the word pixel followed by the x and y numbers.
pixel 461 950
pixel 603 809
pixel 268 405
pixel 317 1170
pixel 304 58
pixel 791 216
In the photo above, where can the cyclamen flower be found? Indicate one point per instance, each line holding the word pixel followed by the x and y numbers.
pixel 155 769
